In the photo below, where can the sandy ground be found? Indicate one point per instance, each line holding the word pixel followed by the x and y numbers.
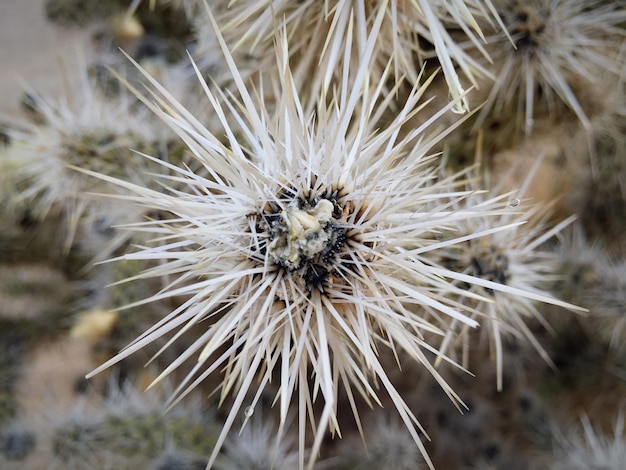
pixel 33 52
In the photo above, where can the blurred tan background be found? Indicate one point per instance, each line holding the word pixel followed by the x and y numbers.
pixel 33 50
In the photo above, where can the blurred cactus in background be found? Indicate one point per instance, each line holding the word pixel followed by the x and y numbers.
pixel 323 234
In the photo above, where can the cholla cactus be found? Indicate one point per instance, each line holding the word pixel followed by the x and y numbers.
pixel 255 448
pixel 319 32
pixel 607 302
pixel 125 430
pixel 306 246
pixel 597 281
pixel 89 130
pixel 389 447
pixel 560 49
pixel 190 7
pixel 515 259
pixel 591 449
